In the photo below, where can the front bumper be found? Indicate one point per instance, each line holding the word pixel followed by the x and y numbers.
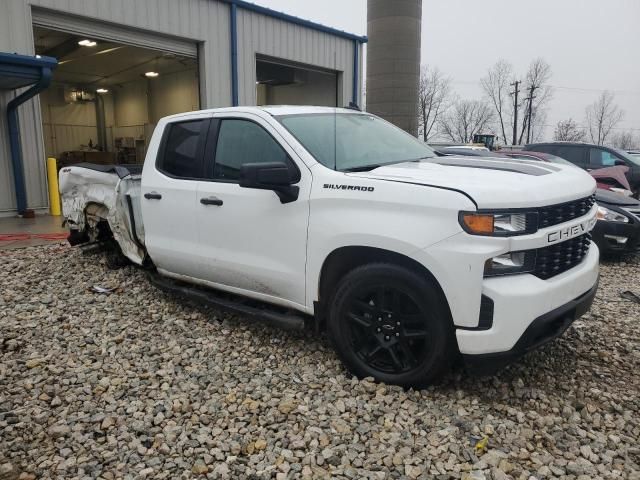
pixel 520 300
pixel 616 237
pixel 542 330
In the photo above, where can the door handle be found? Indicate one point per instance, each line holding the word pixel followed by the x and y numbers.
pixel 211 201
pixel 152 196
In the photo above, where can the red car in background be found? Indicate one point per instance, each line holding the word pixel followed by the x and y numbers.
pixel 618 227
pixel 608 178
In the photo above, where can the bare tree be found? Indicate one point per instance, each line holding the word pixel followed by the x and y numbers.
pixel 602 117
pixel 466 118
pixel 536 87
pixel 568 131
pixel 433 100
pixel 625 140
pixel 496 85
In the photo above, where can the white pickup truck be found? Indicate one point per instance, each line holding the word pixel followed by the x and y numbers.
pixel 337 218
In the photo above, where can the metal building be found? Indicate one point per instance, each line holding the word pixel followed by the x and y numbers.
pixel 123 64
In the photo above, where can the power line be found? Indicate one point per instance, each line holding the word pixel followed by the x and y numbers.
pixel 561 87
pixel 587 126
pixel 589 90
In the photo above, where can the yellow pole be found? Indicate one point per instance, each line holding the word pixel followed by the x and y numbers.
pixel 54 195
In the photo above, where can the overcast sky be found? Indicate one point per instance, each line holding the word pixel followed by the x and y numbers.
pixel 591 45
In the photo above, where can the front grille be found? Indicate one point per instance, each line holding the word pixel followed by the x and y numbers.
pixel 564 212
pixel 558 258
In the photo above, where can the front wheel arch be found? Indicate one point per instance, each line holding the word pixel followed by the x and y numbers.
pixel 345 259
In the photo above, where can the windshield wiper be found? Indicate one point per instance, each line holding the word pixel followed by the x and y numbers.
pixel 362 168
pixel 368 168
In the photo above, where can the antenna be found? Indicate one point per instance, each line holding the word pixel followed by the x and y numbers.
pixel 335 124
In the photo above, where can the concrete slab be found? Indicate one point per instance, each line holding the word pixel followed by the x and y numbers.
pixel 17 232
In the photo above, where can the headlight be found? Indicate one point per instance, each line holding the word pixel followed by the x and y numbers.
pixel 509 263
pixel 499 224
pixel 610 216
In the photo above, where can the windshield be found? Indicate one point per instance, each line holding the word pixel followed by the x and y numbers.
pixel 627 156
pixel 354 141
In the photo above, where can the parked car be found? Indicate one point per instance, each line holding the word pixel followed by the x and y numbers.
pixel 613 179
pixel 608 178
pixel 589 157
pixel 536 156
pixel 337 218
pixel 469 151
pixel 618 227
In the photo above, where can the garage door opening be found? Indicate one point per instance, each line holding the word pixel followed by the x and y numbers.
pixel 282 83
pixel 106 97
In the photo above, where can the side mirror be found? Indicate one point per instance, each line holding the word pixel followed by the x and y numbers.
pixel 276 176
pixel 620 162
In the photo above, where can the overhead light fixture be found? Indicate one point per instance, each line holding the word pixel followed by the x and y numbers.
pixel 102 90
pixel 151 74
pixel 87 43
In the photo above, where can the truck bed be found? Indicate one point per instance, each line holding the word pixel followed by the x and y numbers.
pixel 93 193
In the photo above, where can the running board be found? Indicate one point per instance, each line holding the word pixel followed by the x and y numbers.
pixel 272 315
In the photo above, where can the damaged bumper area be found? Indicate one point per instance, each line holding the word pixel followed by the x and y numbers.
pixel 92 194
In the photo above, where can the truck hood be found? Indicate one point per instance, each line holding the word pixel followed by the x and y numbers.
pixel 493 182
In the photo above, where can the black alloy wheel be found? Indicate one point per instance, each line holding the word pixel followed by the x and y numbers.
pixel 390 323
pixel 387 328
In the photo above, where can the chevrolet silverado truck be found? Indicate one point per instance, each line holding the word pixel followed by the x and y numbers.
pixel 336 219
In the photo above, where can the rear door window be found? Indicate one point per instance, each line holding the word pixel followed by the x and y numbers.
pixel 571 153
pixel 182 148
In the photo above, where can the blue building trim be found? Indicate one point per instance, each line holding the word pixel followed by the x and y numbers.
pixel 356 69
pixel 20 71
pixel 234 54
pixel 297 20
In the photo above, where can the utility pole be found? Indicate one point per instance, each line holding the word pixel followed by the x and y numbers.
pixel 515 84
pixel 530 111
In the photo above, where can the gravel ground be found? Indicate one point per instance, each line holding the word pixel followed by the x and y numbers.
pixel 137 385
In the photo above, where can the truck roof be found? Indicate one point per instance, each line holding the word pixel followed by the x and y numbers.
pixel 271 110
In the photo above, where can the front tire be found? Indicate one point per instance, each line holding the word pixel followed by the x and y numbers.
pixel 390 323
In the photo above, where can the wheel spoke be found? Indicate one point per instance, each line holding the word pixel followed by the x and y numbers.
pixel 364 306
pixel 373 352
pixel 394 358
pixel 359 320
pixel 408 354
pixel 411 318
pixel 415 334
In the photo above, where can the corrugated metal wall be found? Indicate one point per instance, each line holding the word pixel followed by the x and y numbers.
pixel 259 34
pixel 203 21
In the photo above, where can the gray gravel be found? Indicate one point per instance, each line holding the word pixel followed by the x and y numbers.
pixel 137 385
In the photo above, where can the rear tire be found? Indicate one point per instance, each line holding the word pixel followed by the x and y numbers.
pixel 114 258
pixel 390 323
